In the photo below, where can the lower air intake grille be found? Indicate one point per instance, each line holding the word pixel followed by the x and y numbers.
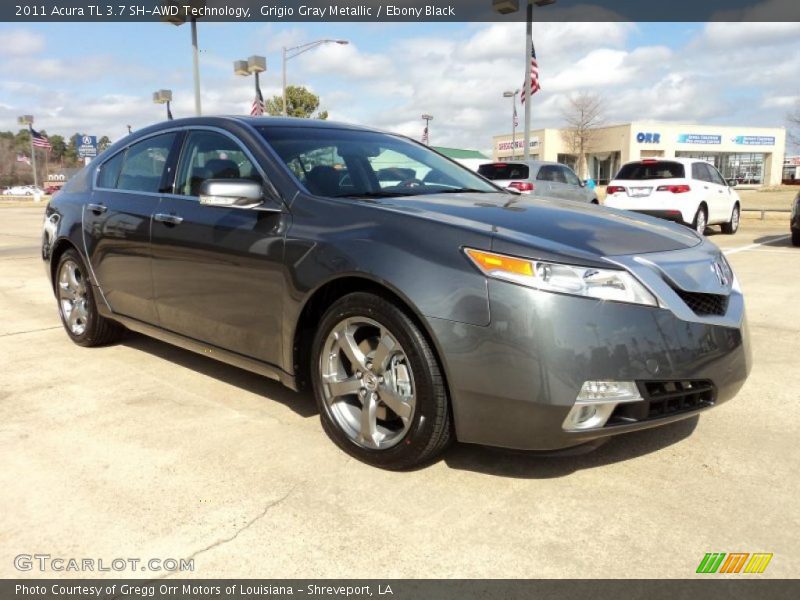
pixel 665 399
pixel 705 304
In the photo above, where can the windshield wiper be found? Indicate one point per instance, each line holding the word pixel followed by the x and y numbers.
pixel 457 191
pixel 380 194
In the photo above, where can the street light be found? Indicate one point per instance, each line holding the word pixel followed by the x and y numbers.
pixel 178 20
pixel 427 118
pixel 164 97
pixel 28 120
pixel 294 52
pixel 252 66
pixel 513 95
pixel 506 7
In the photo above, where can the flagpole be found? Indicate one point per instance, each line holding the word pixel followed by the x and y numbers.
pixel 33 158
pixel 528 90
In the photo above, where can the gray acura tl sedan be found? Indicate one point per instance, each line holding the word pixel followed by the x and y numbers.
pixel 422 310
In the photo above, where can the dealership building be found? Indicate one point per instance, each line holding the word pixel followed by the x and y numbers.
pixel 751 155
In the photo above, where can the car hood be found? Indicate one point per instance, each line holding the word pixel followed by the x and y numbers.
pixel 524 224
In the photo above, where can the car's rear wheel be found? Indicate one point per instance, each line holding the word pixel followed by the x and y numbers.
pixel 795 237
pixel 378 385
pixel 700 220
pixel 732 226
pixel 77 306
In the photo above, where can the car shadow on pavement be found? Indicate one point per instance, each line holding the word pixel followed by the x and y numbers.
pixel 547 465
pixel 301 403
pixel 775 241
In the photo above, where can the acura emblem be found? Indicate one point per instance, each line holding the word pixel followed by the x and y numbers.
pixel 719 271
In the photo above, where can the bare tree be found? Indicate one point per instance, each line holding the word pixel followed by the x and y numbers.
pixel 583 114
pixel 793 118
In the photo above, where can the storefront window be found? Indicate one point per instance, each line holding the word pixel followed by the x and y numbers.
pixel 745 168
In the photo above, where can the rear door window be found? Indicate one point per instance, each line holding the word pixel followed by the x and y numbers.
pixel 144 165
pixel 700 172
pixel 659 169
pixel 496 171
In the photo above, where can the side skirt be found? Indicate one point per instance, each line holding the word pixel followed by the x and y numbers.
pixel 232 358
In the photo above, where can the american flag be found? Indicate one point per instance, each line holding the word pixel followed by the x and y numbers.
pixel 23 159
pixel 425 137
pixel 257 109
pixel 535 87
pixel 39 140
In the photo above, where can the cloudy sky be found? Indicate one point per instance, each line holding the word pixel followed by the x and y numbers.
pixel 97 79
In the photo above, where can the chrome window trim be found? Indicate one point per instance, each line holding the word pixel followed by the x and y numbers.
pixel 188 129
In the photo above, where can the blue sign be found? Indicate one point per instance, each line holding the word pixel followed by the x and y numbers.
pixel 648 138
pixel 699 138
pixel 87 146
pixel 754 140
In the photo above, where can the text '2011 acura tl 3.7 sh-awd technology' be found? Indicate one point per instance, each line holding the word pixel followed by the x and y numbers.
pixel 420 310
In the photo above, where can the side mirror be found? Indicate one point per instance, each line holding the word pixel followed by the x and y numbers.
pixel 732 183
pixel 583 183
pixel 233 193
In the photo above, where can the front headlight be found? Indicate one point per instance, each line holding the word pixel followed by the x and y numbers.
pixel 590 282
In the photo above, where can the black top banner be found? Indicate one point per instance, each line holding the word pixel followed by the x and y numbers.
pixel 178 11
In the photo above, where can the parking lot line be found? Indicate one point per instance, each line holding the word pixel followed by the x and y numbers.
pixel 774 239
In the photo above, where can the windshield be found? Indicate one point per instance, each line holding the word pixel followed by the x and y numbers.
pixel 347 163
pixel 497 171
pixel 662 169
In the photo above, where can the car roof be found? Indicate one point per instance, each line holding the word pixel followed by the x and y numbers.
pixel 530 163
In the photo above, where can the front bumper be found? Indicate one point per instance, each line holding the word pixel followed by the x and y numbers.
pixel 514 382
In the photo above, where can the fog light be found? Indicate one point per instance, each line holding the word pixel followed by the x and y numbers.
pixel 596 401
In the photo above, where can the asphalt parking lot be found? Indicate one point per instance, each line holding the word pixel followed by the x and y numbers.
pixel 148 451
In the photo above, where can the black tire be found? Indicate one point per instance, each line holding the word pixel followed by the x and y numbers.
pixel 732 226
pixel 795 237
pixel 97 331
pixel 696 222
pixel 430 428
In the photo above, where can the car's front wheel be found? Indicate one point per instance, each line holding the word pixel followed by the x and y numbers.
pixel 378 385
pixel 732 226
pixel 77 306
pixel 795 237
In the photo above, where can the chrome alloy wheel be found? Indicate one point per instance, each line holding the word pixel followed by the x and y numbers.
pixel 367 383
pixel 72 297
pixel 735 219
pixel 701 221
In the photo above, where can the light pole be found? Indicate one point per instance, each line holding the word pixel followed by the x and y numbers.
pixel 164 97
pixel 252 66
pixel 179 20
pixel 427 118
pixel 513 95
pixel 505 7
pixel 294 52
pixel 28 120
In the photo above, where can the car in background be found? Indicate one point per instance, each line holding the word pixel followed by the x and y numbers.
pixel 51 189
pixel 539 178
pixel 794 224
pixel 687 191
pixel 23 190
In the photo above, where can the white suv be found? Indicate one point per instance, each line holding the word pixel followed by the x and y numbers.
pixel 684 190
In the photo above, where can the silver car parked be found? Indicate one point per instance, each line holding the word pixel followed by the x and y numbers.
pixel 539 178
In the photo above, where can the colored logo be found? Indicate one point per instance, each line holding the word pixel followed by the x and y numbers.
pixel 699 138
pixel 648 138
pixel 735 562
pixel 754 140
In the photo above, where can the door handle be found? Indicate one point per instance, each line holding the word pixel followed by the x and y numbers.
pixel 168 219
pixel 98 209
